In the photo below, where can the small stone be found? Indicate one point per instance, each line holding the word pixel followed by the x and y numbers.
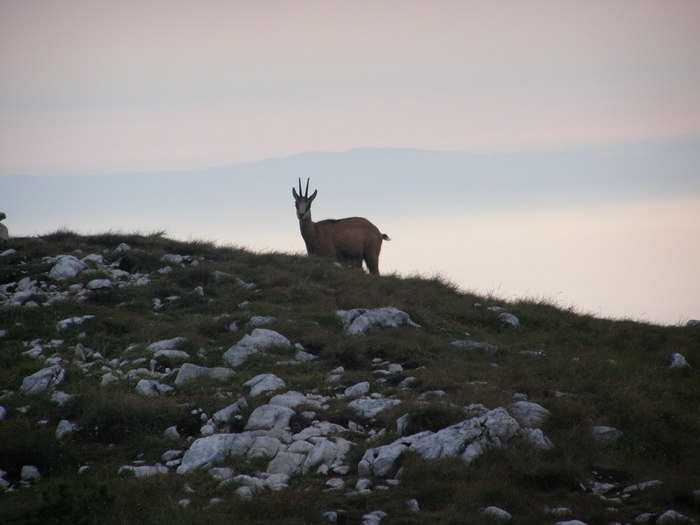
pixel 264 383
pixel 374 518
pixel 65 428
pixel 335 483
pixel 496 513
pixel 604 435
pixel 99 284
pixel 509 319
pixel 67 267
pixel 678 361
pixel 30 474
pixel 528 414
pixel 360 389
pixel 171 433
pixel 671 517
pixel 413 505
pixel 43 380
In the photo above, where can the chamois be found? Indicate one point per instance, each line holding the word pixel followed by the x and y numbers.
pixel 350 240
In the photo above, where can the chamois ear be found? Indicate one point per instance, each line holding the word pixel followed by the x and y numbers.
pixel 313 196
pixel 294 192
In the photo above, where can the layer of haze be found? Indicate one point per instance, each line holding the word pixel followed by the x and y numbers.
pixel 94 87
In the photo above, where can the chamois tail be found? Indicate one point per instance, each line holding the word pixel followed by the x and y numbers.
pixel 386 237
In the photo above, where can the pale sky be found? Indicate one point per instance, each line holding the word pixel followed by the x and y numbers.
pixel 94 87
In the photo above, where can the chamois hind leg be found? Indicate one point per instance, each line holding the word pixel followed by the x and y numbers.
pixel 372 261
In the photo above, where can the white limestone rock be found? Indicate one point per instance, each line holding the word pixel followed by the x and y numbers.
pixel 325 452
pixel 65 428
pixel 288 463
pixel 261 320
pixel 264 447
pixel 166 344
pixel 605 435
pixel 260 339
pixel 171 356
pixel 528 414
pixel 672 517
pixel 368 407
pixel 67 267
pixel 277 482
pixel 468 439
pixel 30 474
pixel 99 284
pixel 43 380
pixel 263 383
pixel 143 471
pixel 225 415
pixel 359 389
pixel 189 372
pixel 152 388
pixel 212 450
pixel 361 321
pixel 374 518
pixel 678 361
pixel 536 438
pixel 496 513
pixel 508 319
pixel 293 399
pixel 475 345
pixel 268 417
pixel 72 321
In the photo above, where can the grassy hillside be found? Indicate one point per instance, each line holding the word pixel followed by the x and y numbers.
pixel 585 371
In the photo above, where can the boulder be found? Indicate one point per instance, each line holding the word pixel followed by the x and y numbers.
pixel 468 440
pixel 264 447
pixel 360 389
pixel 361 321
pixel 211 450
pixel 189 372
pixel 166 344
pixel 264 383
pixel 678 361
pixel 72 321
pixel 604 435
pixel 171 356
pixel 259 339
pixel 528 414
pixel 43 380
pixel 65 428
pixel 143 471
pixel 99 284
pixel 30 474
pixel 289 463
pixel 508 319
pixel 293 399
pixel 268 417
pixel 496 513
pixel 224 416
pixel 152 388
pixel 66 268
pixel 368 407
pixel 325 453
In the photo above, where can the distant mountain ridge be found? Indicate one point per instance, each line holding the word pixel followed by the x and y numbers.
pixel 366 180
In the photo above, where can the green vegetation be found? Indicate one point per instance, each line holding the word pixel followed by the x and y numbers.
pixel 585 371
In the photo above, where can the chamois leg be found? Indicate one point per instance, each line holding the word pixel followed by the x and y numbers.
pixel 372 262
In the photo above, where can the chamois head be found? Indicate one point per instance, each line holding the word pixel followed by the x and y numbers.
pixel 303 201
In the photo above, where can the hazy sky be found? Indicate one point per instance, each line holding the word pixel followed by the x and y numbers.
pixel 90 86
